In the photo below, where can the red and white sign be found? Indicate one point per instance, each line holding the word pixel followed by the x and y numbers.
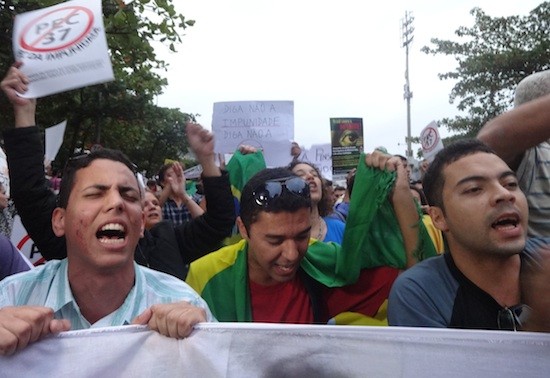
pixel 431 141
pixel 57 29
pixel 21 239
pixel 62 47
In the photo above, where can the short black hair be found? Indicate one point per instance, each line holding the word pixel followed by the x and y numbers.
pixel 82 161
pixel 285 202
pixel 434 181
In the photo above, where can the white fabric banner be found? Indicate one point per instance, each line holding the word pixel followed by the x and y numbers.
pixel 266 350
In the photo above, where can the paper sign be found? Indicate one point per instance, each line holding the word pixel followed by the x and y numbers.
pixel 62 47
pixel 347 143
pixel 21 239
pixel 431 141
pixel 267 125
pixel 321 156
pixel 54 139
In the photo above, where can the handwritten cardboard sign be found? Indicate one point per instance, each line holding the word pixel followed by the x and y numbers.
pixel 267 125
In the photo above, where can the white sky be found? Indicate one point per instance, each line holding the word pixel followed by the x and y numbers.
pixel 333 59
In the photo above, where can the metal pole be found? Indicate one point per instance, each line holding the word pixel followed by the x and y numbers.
pixel 407 36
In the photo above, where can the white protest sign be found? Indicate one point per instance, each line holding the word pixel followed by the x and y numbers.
pixel 62 47
pixel 321 156
pixel 267 125
pixel 54 139
pixel 431 141
pixel 4 174
pixel 21 239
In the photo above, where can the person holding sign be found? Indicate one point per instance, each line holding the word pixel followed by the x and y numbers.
pixel 163 247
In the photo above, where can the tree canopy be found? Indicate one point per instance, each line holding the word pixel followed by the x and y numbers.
pixel 492 57
pixel 120 114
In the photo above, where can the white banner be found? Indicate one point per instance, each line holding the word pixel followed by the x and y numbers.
pixel 62 47
pixel 273 350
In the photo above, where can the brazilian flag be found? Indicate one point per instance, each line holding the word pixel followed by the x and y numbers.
pixel 371 210
pixel 241 168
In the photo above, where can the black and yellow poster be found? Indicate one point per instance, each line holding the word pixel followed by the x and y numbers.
pixel 347 143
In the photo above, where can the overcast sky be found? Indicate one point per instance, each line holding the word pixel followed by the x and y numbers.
pixel 333 59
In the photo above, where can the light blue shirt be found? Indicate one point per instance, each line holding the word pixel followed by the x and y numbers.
pixel 48 286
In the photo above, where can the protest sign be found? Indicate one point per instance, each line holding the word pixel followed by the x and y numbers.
pixel 21 239
pixel 54 140
pixel 431 141
pixel 62 47
pixel 321 156
pixel 267 125
pixel 347 143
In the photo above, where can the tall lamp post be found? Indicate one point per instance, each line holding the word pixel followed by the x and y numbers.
pixel 407 30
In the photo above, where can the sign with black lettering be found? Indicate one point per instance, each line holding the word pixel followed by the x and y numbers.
pixel 266 125
pixel 62 47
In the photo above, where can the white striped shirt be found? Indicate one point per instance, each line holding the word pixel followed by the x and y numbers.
pixel 48 286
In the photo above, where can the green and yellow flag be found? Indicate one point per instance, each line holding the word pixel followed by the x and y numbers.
pixel 372 226
pixel 241 168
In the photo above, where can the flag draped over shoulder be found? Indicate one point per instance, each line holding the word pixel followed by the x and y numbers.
pixel 372 226
pixel 241 168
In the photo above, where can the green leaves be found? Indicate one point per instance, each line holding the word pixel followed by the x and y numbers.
pixel 121 114
pixel 492 56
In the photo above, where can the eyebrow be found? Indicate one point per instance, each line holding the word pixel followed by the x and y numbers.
pixel 304 232
pixel 121 188
pixel 467 179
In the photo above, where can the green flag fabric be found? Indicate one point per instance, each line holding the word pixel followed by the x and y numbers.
pixel 241 168
pixel 372 226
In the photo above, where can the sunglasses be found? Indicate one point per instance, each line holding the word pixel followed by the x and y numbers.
pixel 265 193
pixel 512 318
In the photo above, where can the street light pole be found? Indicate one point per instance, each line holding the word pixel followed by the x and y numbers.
pixel 407 34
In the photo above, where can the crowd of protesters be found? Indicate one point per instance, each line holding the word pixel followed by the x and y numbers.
pixel 448 250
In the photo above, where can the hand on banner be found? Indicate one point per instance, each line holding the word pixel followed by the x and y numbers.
pixel 20 326
pixel 172 319
pixel 13 84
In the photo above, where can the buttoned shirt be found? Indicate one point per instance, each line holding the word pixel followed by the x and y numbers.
pixel 174 213
pixel 48 286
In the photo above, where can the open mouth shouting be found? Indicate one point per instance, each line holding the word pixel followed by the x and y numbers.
pixel 506 222
pixel 111 233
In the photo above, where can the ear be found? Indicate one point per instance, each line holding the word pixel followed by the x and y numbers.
pixel 438 218
pixel 242 228
pixel 58 221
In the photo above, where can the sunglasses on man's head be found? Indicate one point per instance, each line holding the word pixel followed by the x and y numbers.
pixel 271 189
pixel 512 318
